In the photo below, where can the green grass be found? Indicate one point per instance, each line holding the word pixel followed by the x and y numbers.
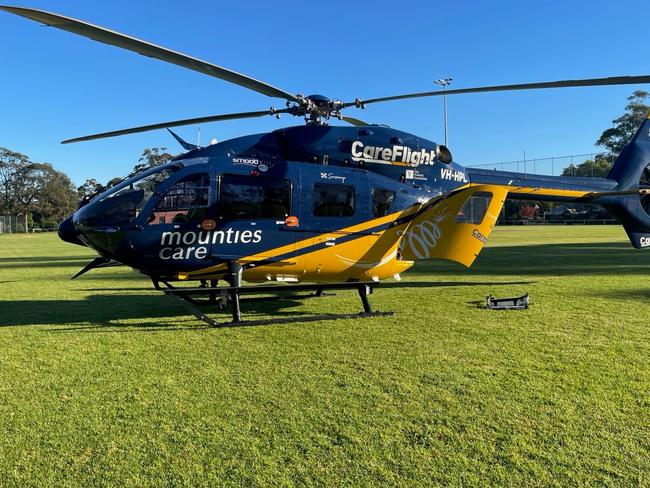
pixel 103 384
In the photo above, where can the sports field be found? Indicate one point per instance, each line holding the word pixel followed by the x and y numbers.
pixel 104 383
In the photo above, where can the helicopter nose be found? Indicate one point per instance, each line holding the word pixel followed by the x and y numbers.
pixel 68 233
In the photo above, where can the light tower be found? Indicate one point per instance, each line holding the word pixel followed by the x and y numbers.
pixel 444 82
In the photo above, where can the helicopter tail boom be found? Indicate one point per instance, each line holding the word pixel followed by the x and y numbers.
pixel 625 192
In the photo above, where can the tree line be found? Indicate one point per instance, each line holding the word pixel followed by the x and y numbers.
pixel 34 191
pixel 614 139
pixel 42 196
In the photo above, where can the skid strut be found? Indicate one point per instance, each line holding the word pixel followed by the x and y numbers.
pixel 221 294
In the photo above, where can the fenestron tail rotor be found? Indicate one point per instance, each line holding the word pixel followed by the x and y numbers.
pixel 644 189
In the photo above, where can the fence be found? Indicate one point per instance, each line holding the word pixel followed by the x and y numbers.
pixel 558 222
pixel 552 166
pixel 12 224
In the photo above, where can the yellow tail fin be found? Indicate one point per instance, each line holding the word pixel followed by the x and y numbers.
pixel 455 227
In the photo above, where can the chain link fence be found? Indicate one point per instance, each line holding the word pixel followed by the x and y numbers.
pixel 553 166
pixel 521 213
pixel 12 224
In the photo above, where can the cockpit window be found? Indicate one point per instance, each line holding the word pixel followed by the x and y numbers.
pixel 124 203
pixel 147 184
pixel 186 201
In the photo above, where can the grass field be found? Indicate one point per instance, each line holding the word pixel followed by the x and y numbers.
pixel 103 384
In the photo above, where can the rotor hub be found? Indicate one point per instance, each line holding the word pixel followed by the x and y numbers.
pixel 316 109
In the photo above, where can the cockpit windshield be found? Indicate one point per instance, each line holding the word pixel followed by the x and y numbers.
pixel 122 204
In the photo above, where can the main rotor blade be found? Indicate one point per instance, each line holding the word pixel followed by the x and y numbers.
pixel 175 123
pixel 612 80
pixel 353 121
pixel 106 36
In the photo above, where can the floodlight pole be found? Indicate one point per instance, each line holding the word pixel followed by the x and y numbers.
pixel 444 82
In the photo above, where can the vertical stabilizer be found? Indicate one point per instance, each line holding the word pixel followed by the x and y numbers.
pixel 632 172
pixel 455 227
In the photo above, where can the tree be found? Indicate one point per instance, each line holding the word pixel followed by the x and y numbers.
pixel 35 191
pixel 89 188
pixel 599 167
pixel 112 182
pixel 56 199
pixel 614 139
pixel 39 192
pixel 9 162
pixel 617 137
pixel 154 156
pixel 20 180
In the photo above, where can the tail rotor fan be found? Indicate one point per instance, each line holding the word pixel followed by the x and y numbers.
pixel 644 187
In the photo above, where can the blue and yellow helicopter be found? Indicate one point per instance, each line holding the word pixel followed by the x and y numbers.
pixel 331 205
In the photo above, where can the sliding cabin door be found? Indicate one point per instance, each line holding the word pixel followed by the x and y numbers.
pixel 253 212
pixel 335 211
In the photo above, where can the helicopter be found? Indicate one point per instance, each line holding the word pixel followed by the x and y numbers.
pixel 316 206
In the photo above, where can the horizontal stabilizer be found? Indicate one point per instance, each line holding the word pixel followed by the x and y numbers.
pixel 594 195
pixel 98 262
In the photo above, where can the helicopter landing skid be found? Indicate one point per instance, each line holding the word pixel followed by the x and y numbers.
pixel 222 295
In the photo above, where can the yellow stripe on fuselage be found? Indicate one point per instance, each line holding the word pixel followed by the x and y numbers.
pixel 356 248
pixel 299 245
pixel 552 192
pixel 296 264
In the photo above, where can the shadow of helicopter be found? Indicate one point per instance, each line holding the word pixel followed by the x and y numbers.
pixel 640 294
pixel 113 310
pixel 446 284
pixel 546 260
pixel 44 261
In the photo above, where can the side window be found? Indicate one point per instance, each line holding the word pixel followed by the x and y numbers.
pixel 333 200
pixel 382 200
pixel 186 201
pixel 253 197
pixel 474 208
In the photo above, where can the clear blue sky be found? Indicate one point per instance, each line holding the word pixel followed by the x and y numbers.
pixel 56 85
